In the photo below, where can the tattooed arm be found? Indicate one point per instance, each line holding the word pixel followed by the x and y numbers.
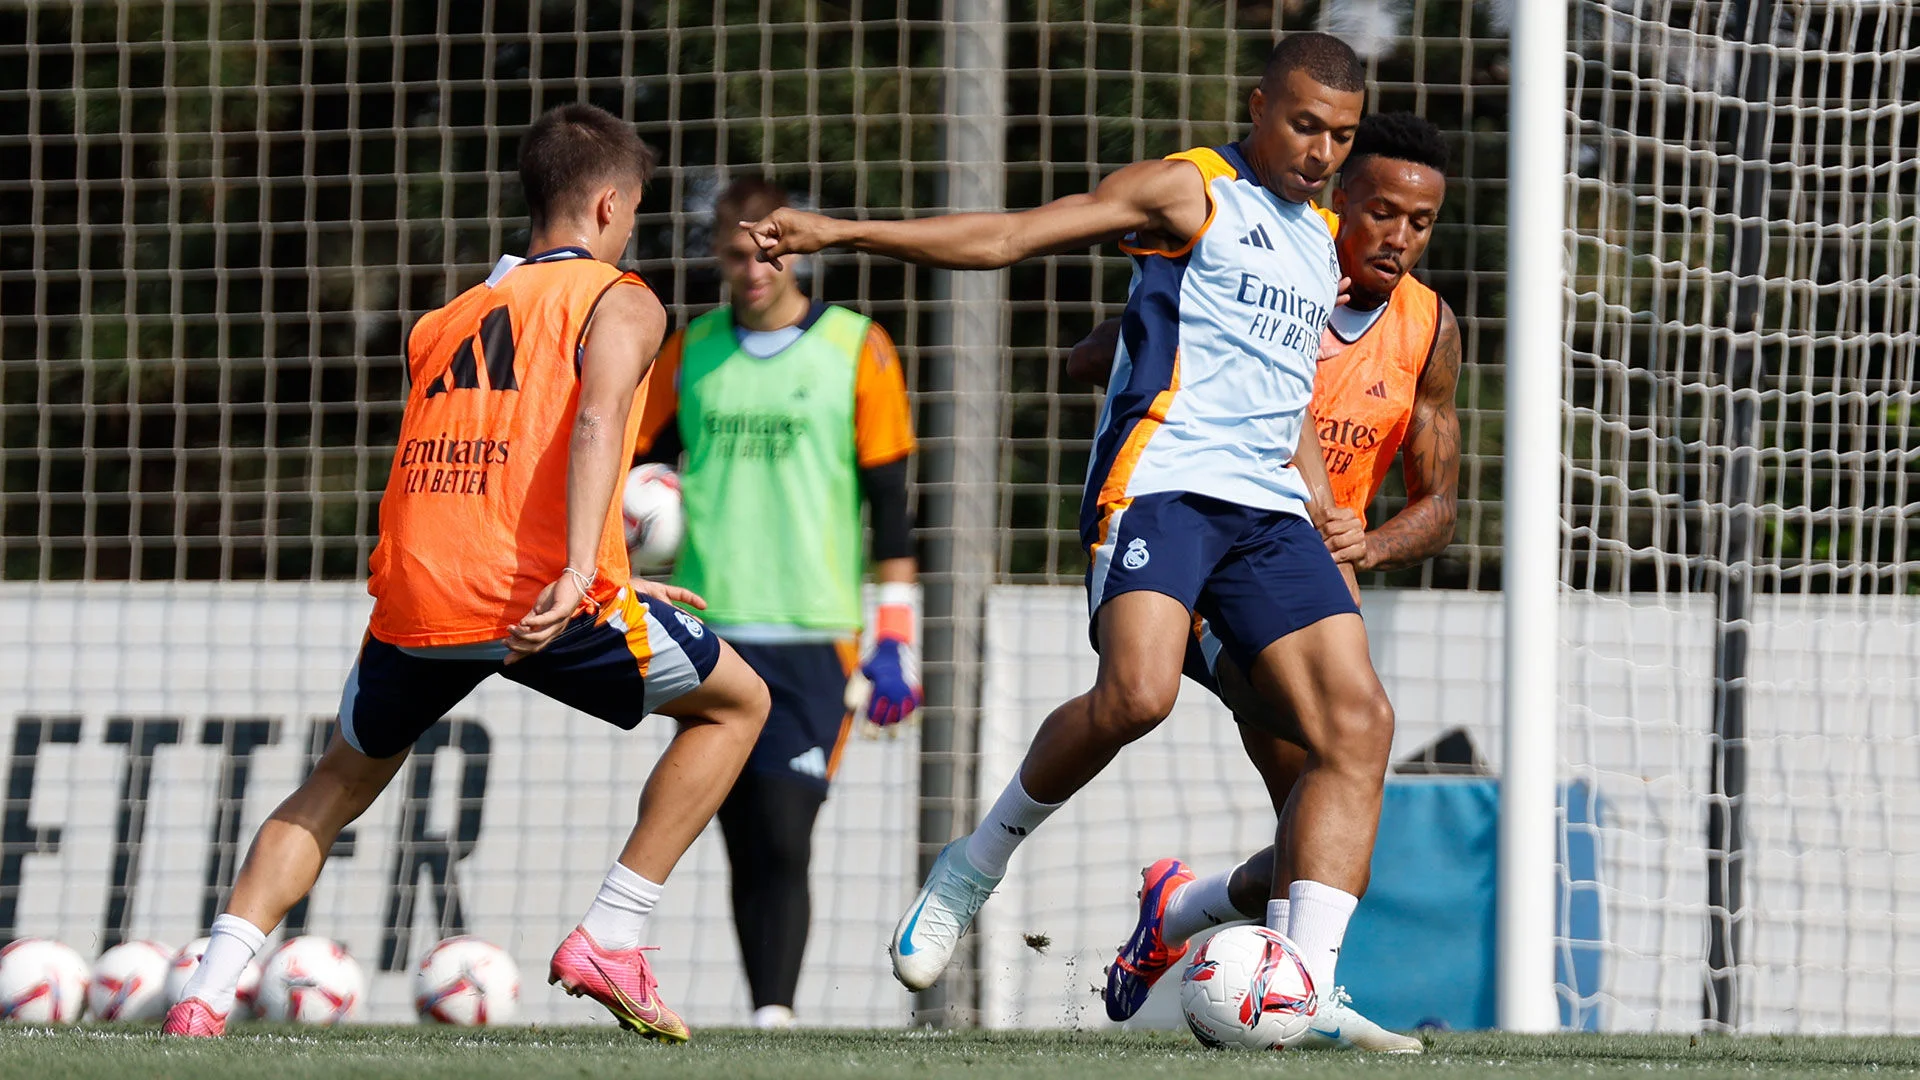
pixel 1430 460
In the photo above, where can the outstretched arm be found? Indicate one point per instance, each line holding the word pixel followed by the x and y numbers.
pixel 1163 200
pixel 1430 460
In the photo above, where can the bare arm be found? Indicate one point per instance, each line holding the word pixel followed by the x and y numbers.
pixel 1430 460
pixel 625 335
pixel 1163 200
pixel 1091 361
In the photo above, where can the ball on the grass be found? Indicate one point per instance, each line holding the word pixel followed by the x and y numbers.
pixel 1247 989
pixel 311 980
pixel 187 961
pixel 130 982
pixel 42 982
pixel 466 982
pixel 655 523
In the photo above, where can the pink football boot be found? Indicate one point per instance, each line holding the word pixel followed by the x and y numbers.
pixel 195 1019
pixel 621 981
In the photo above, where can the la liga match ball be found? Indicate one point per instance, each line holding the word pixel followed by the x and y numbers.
pixel 187 961
pixel 1247 989
pixel 42 982
pixel 466 982
pixel 311 980
pixel 130 982
pixel 650 507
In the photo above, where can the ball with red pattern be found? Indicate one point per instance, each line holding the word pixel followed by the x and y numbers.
pixel 311 980
pixel 130 982
pixel 1247 989
pixel 466 982
pixel 42 982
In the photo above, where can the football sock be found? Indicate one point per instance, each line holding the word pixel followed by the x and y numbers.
pixel 1198 905
pixel 1277 915
pixel 1013 816
pixel 231 947
pixel 618 918
pixel 1317 923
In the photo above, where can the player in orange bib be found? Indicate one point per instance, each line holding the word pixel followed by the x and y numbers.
pixel 502 553
pixel 1389 362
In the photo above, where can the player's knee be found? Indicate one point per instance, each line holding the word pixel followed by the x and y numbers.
pixel 1360 738
pixel 1129 707
pixel 751 703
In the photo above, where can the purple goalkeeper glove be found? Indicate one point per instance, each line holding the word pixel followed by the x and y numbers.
pixel 894 672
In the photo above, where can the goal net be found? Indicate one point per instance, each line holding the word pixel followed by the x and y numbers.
pixel 221 217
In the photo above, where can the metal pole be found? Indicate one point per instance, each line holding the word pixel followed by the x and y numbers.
pixel 960 468
pixel 1536 267
pixel 1747 127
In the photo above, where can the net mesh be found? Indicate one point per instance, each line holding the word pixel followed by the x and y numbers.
pixel 220 218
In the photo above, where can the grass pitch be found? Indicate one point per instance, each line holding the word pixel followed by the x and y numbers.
pixel 263 1052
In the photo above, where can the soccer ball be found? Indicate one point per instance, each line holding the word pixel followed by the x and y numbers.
pixel 466 982
pixel 187 961
pixel 1247 989
pixel 310 980
pixel 651 510
pixel 42 982
pixel 130 982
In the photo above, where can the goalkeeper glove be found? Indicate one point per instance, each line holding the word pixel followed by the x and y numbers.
pixel 892 666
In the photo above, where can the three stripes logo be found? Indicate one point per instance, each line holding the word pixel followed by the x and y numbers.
pixel 1378 389
pixel 496 342
pixel 1258 238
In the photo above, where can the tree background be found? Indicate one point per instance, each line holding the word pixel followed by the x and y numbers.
pixel 218 218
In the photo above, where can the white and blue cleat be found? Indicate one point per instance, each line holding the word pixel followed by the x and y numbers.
pixel 924 941
pixel 1337 1025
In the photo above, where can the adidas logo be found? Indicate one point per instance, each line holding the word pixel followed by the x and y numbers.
pixel 812 763
pixel 1378 389
pixel 1013 830
pixel 1258 238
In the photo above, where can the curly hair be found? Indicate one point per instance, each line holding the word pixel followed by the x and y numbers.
pixel 1401 136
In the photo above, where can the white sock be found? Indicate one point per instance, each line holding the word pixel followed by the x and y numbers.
pixel 1013 816
pixel 234 942
pixel 1317 923
pixel 1277 916
pixel 618 918
pixel 1200 904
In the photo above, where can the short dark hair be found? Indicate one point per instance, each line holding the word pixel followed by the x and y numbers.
pixel 1401 136
pixel 1326 59
pixel 573 148
pixel 749 198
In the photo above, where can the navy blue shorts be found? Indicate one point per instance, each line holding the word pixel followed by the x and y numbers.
pixel 1254 575
pixel 809 721
pixel 644 654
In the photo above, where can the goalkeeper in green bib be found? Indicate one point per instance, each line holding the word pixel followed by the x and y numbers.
pixel 789 415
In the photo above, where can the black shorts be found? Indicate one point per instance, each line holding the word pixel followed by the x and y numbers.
pixel 809 722
pixel 642 655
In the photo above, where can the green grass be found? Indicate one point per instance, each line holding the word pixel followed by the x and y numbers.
pixel 260 1052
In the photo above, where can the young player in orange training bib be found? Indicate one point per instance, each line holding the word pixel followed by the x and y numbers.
pixel 1388 367
pixel 501 553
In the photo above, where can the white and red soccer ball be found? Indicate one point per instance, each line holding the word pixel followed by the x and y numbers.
pixel 466 982
pixel 310 980
pixel 1247 989
pixel 650 509
pixel 42 982
pixel 130 982
pixel 187 961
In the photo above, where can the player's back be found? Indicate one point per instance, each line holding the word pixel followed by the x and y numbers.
pixel 1363 395
pixel 473 523
pixel 1217 348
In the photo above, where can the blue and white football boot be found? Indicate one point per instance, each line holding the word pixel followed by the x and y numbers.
pixel 924 941
pixel 1336 1025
